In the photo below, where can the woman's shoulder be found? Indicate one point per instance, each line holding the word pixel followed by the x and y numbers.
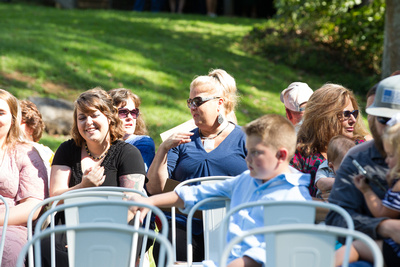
pixel 21 148
pixel 238 131
pixel 120 146
pixel 140 139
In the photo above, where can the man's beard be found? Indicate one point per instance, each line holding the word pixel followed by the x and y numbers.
pixel 377 137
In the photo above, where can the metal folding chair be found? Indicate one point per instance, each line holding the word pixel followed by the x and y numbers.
pixel 298 245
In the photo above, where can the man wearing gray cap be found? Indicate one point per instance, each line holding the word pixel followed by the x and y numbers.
pixel 295 99
pixel 371 156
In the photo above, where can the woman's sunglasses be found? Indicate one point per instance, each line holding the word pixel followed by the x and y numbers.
pixel 124 112
pixel 348 113
pixel 198 101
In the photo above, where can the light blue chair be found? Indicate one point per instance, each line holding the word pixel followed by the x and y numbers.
pixel 213 211
pixel 99 212
pixel 4 231
pixel 102 244
pixel 300 245
pixel 288 212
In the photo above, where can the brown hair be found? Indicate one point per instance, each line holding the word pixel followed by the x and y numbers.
pixel 120 96
pixel 32 118
pixel 275 130
pixel 97 98
pixel 338 147
pixel 221 84
pixel 321 120
pixel 15 133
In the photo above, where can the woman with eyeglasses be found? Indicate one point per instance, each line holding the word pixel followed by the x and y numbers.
pixel 135 128
pixel 331 110
pixel 215 147
pixel 95 156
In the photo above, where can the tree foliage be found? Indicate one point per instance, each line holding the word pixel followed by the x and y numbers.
pixel 354 27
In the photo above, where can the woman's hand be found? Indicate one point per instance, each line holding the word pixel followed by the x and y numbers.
pixel 93 176
pixel 361 183
pixel 139 199
pixel 176 139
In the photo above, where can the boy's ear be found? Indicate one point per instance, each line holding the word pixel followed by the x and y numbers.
pixel 330 165
pixel 289 114
pixel 282 154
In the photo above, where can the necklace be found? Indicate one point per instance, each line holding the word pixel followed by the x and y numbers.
pixel 95 158
pixel 209 142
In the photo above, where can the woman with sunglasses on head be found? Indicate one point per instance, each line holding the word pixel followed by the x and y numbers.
pixel 331 110
pixel 135 128
pixel 215 147
pixel 95 156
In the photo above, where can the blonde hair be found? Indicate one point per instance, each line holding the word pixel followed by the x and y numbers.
pixel 321 120
pixel 338 147
pixel 220 83
pixel 97 98
pixel 15 134
pixel 120 96
pixel 391 135
pixel 275 130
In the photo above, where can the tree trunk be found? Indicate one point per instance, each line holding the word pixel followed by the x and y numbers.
pixel 391 49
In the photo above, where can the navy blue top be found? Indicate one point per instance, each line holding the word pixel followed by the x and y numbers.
pixel 146 146
pixel 190 160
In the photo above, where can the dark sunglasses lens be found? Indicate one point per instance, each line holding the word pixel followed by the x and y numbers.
pixel 123 113
pixel 347 113
pixel 135 113
pixel 197 101
pixel 383 120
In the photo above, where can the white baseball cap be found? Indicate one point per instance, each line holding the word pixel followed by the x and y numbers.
pixel 387 98
pixel 295 95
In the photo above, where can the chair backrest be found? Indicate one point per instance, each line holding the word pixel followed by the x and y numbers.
pixel 98 213
pixel 212 217
pixel 79 248
pixel 287 212
pixel 298 245
pixel 104 244
pixel 5 223
pixel 83 213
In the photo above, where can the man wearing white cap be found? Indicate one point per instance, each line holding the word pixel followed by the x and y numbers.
pixel 295 99
pixel 371 156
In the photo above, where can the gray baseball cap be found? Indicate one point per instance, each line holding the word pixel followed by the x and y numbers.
pixel 387 98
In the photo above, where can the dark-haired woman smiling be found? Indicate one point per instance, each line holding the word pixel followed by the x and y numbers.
pixel 95 156
pixel 215 147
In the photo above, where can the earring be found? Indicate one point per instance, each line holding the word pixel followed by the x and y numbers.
pixel 220 118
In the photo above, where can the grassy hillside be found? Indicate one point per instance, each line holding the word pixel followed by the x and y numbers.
pixel 60 53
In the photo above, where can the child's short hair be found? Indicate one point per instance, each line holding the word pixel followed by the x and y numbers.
pixel 338 147
pixel 391 135
pixel 275 130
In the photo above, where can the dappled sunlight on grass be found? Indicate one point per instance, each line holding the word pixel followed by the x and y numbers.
pixel 154 55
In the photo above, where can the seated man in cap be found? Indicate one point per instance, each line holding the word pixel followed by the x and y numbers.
pixel 295 99
pixel 371 156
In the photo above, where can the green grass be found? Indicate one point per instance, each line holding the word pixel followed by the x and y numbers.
pixel 56 53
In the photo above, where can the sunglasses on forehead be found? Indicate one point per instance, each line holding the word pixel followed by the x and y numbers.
pixel 199 100
pixel 124 112
pixel 348 113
